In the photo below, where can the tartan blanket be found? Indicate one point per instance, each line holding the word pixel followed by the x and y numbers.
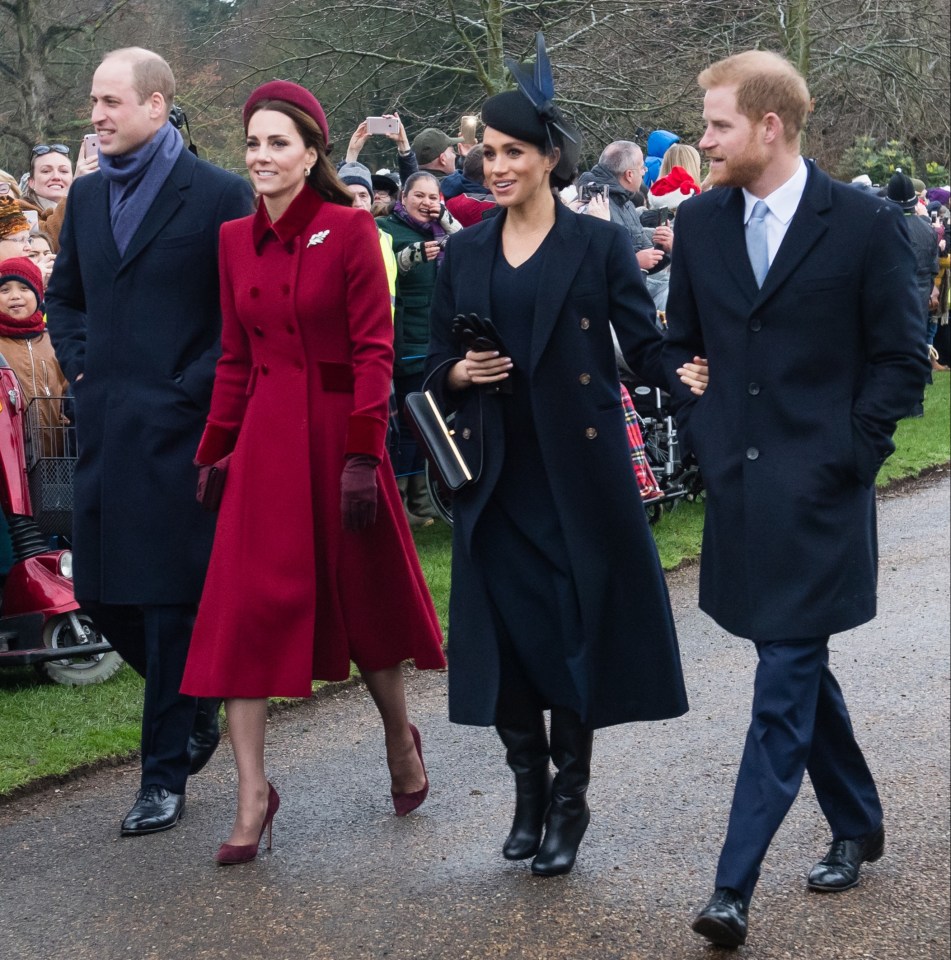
pixel 646 482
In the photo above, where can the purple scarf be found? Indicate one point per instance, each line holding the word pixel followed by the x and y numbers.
pixel 135 180
pixel 431 227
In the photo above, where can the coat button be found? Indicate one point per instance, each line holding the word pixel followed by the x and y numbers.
pixel 591 433
pixel 753 389
pixel 752 453
pixel 756 324
pixel 291 328
pixel 264 368
pixel 285 289
pixel 258 332
pixel 584 379
pixel 466 433
pixel 254 292
pixel 585 323
pixel 298 366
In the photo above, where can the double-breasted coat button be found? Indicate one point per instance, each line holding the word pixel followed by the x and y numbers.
pixel 466 433
pixel 291 328
pixel 258 332
pixel 753 389
pixel 752 453
pixel 585 323
pixel 264 368
pixel 584 379
pixel 285 289
pixel 591 433
pixel 756 324
pixel 254 292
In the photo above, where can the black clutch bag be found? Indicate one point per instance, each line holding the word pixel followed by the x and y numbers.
pixel 436 438
pixel 211 483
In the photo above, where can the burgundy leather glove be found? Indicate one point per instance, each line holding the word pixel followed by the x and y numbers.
pixel 358 491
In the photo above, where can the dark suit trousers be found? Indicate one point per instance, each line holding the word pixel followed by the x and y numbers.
pixel 154 641
pixel 800 723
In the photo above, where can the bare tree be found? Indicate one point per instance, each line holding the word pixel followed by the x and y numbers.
pixel 40 49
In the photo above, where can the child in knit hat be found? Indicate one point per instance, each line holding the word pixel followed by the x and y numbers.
pixel 26 346
pixel 14 227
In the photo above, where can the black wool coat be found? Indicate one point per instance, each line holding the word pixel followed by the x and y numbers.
pixel 143 330
pixel 808 377
pixel 626 665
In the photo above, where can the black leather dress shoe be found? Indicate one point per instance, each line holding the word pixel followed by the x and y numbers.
pixel 839 869
pixel 205 735
pixel 155 809
pixel 723 921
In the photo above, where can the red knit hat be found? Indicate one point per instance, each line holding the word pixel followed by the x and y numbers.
pixel 26 271
pixel 670 190
pixel 293 94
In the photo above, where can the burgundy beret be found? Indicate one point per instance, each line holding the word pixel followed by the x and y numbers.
pixel 289 93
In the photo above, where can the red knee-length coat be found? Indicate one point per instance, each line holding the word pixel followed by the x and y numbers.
pixel 303 380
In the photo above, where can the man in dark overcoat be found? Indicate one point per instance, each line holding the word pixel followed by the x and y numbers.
pixel 800 292
pixel 134 315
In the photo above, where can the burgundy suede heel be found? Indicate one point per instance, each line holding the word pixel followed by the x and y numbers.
pixel 405 803
pixel 230 854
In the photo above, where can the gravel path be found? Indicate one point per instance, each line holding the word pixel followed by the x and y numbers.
pixel 348 881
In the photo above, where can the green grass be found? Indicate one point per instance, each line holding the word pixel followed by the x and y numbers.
pixel 47 730
pixel 922 443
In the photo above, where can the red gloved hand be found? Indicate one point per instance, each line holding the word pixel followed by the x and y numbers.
pixel 358 492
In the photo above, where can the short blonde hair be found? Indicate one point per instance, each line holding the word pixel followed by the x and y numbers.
pixel 765 83
pixel 682 155
pixel 150 73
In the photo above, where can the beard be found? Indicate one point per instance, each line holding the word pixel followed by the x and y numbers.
pixel 742 170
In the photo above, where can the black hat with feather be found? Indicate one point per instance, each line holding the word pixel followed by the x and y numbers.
pixel 530 114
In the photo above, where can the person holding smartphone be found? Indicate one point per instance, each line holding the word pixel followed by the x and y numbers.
pixel 407 164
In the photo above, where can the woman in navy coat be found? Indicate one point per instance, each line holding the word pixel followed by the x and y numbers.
pixel 558 598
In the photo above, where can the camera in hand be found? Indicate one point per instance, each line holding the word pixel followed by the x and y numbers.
pixel 587 191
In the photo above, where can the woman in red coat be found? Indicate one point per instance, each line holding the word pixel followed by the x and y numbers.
pixel 313 564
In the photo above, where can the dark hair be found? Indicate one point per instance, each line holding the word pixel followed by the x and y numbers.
pixel 323 177
pixel 415 178
pixel 554 152
pixel 472 165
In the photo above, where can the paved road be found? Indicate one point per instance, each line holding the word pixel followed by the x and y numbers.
pixel 348 881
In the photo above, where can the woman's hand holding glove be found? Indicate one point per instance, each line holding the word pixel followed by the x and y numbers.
pixel 358 492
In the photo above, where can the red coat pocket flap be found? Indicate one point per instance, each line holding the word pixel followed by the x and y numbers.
pixel 335 377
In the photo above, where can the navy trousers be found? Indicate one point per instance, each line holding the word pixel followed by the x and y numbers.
pixel 154 641
pixel 800 722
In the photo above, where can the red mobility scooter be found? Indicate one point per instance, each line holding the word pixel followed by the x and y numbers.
pixel 40 621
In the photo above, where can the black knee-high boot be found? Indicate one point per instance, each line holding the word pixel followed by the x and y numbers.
pixel 527 753
pixel 568 815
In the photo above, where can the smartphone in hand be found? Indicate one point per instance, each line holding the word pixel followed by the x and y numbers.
pixel 383 125
pixel 90 144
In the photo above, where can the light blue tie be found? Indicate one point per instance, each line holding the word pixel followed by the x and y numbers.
pixel 756 241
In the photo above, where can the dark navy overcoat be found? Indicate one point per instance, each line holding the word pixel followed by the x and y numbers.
pixel 143 330
pixel 808 377
pixel 626 664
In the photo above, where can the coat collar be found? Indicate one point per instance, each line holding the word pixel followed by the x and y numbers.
pixel 805 230
pixel 169 199
pixel 292 223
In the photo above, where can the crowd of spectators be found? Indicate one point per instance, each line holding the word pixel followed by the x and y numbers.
pixel 435 186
